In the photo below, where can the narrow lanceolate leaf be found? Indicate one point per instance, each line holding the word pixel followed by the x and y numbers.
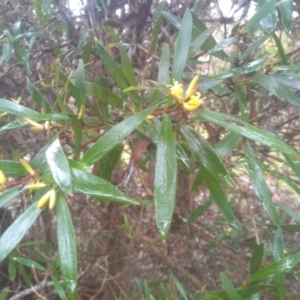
pixel 115 136
pixel 278 253
pixel 182 45
pixel 80 84
pixel 10 195
pixel 16 109
pixel 90 184
pixel 59 167
pixel 115 70
pixel 286 12
pixel 12 168
pixel 234 124
pixel 267 23
pixel 66 243
pixel 278 267
pixel 15 232
pixel 256 258
pixel 206 155
pixel 229 288
pixel 275 86
pixel 165 177
pixel 38 97
pixel 164 66
pixel 260 186
pixel 295 165
pixel 259 15
pixel 219 197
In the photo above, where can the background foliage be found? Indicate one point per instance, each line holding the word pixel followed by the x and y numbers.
pixel 160 183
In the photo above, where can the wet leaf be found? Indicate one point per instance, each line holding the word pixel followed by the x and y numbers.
pixel 165 178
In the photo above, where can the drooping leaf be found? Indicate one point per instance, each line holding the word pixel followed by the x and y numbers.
pixel 115 136
pixel 59 167
pixel 66 243
pixel 260 186
pixel 16 109
pixel 29 263
pixel 38 97
pixel 218 196
pixel 10 195
pixel 16 231
pixel 165 177
pixel 278 253
pixel 276 268
pixel 90 184
pixel 206 156
pixel 234 124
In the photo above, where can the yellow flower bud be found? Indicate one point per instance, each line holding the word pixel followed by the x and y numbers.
pixel 2 178
pixel 176 88
pixel 42 202
pixel 150 117
pixel 191 87
pixel 34 124
pixel 35 186
pixel 26 165
pixel 52 200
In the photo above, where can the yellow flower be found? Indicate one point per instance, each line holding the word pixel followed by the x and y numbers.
pixel 176 88
pixel 194 102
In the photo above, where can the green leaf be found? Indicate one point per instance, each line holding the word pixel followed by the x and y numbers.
pixel 84 38
pixel 206 156
pixel 10 195
pixel 165 177
pixel 278 253
pixel 268 22
pixel 234 124
pixel 256 258
pixel 4 293
pixel 115 71
pixel 254 46
pixel 103 95
pixel 38 97
pixel 240 95
pixel 15 232
pixel 218 196
pixel 295 165
pixel 290 212
pixel 58 288
pixel 274 85
pixel 164 66
pixel 224 147
pixel 259 15
pixel 200 40
pixel 199 211
pixel 66 243
pixel 286 13
pixel 115 136
pixel 260 186
pixel 80 84
pixel 229 288
pixel 256 289
pixel 59 167
pixel 29 263
pixel 276 268
pixel 180 288
pixel 16 109
pixel 77 129
pixel 12 168
pixel 223 44
pixel 127 66
pixel 182 45
pixel 90 184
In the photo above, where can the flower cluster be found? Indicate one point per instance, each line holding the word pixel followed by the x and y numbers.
pixel 191 99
